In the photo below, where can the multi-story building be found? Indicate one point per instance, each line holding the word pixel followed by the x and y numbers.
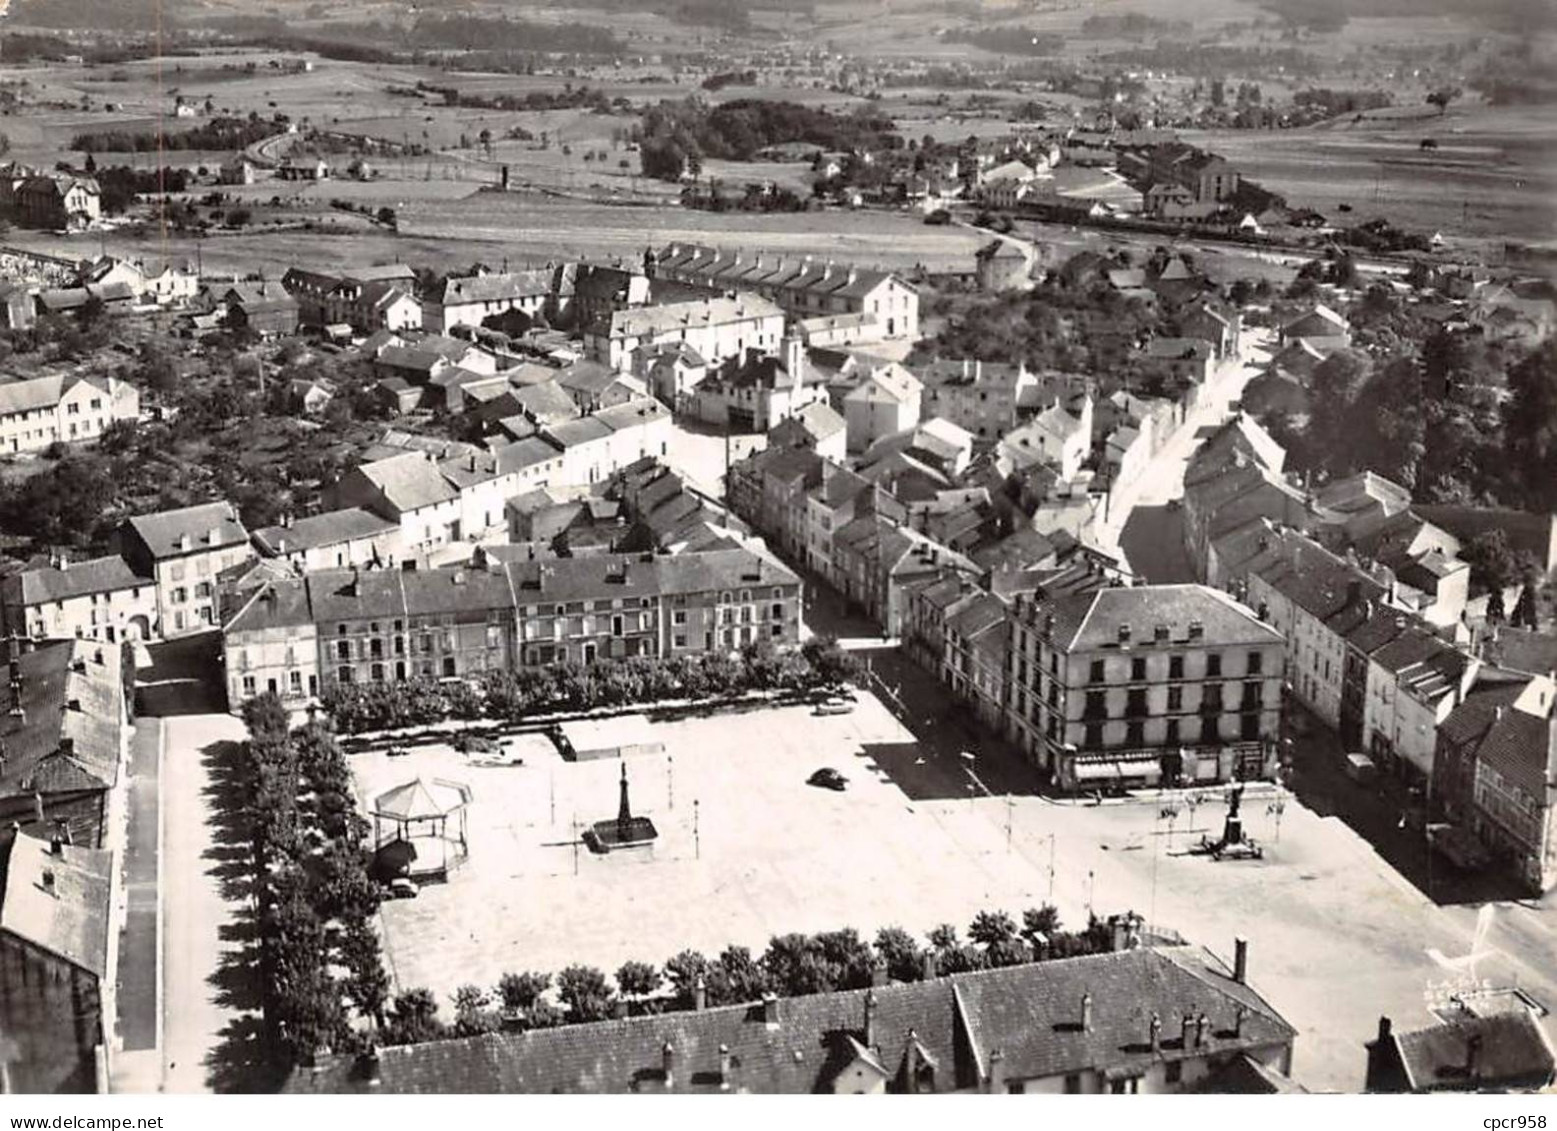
pixel 333 540
pixel 1147 685
pixel 1056 436
pixel 717 327
pixel 409 489
pixel 1147 1020
pixel 58 951
pixel 271 643
pixel 977 655
pixel 470 300
pixel 300 636
pixel 183 550
pixel 619 606
pixel 65 735
pixel 752 394
pixel 979 397
pixel 801 287
pixel 886 402
pixel 58 202
pixel 65 409
pixel 98 599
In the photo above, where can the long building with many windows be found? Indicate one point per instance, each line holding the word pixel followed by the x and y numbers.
pixel 299 636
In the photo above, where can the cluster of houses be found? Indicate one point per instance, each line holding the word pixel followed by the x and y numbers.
pixel 62 202
pixel 1387 637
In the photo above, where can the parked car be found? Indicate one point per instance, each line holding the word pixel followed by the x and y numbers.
pixel 476 744
pixel 939 216
pixel 1361 769
pixel 834 705
pixel 828 778
pixel 402 888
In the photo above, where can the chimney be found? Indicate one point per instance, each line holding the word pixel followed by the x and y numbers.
pixel 1154 1032
pixel 184 544
pixel 1241 961
pixel 64 561
pixel 1202 1023
pixel 1124 634
pixel 668 1056
pixel 928 966
pixel 1186 1030
pixel 1386 1028
pixel 56 843
pixel 878 973
pixel 724 1067
pixel 870 1019
pixel 1497 713
pixel 368 1068
pixel 1473 1056
pixel 1086 1012
pixel 47 882
pixel 770 1016
pixel 356 581
pixel 214 538
pixel 997 1070
pixel 699 994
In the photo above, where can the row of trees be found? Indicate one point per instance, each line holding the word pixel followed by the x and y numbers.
pixel 675 137
pixel 569 686
pixel 319 953
pixel 218 133
pixel 793 965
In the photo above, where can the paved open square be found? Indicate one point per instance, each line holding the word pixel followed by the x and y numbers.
pixel 1337 936
pixel 746 850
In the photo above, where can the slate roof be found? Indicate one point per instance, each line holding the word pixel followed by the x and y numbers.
pixel 77 579
pixel 1030 1013
pixel 161 531
pixel 1522 650
pixel 496 288
pixel 1522 748
pixel 570 579
pixel 1090 621
pixel 59 903
pixel 816 422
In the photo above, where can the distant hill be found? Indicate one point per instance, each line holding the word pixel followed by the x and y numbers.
pixel 1520 16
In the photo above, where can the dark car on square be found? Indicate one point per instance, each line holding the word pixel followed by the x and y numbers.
pixel 828 778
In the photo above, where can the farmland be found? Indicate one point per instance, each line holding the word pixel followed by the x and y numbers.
pixel 1493 174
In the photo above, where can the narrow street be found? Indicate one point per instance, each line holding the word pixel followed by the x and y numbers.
pixel 1146 526
pixel 137 1066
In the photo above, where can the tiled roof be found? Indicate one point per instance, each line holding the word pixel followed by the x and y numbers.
pixel 817 420
pixel 1522 650
pixel 648 321
pixel 27 396
pixel 162 531
pixel 76 579
pixel 1521 747
pixel 570 579
pixel 1510 1051
pixel 949 1026
pixel 1473 715
pixel 496 288
pixel 409 481
pixel 323 530
pixel 59 903
pixel 70 690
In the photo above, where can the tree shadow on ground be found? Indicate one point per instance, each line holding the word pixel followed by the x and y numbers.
pixel 242 1060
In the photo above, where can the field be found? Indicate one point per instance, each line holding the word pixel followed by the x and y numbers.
pixel 1493 175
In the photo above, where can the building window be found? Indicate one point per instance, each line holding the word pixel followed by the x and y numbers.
pixel 1175 667
pixel 1252 695
pixel 1171 738
pixel 295 682
pixel 1213 663
pixel 1092 737
pixel 1097 705
pixel 1209 733
pixel 681 640
pixel 1096 675
pixel 1173 1071
pixel 1073 1084
pixel 343 649
pixel 1249 727
pixel 777 612
pixel 1138 668
pixel 1175 698
pixel 345 675
pixel 1135 704
pixel 1256 663
pixel 1135 733
pixel 248 685
pixel 448 666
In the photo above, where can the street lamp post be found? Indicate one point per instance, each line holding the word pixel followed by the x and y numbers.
pixel 697 839
pixel 670 781
pixel 1091 891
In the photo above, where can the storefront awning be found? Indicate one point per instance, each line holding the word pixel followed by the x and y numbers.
pixel 1097 771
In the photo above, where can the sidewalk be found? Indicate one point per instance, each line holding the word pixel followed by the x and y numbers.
pixel 138 1067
